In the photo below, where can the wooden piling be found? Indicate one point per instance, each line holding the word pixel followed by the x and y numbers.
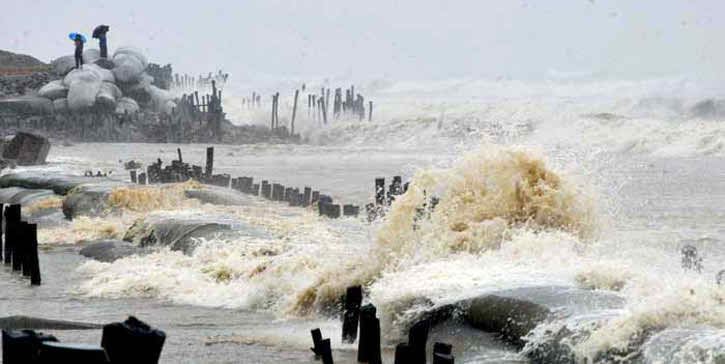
pixel 380 191
pixel 326 351
pixel 294 113
pixel 369 344
pixel 417 338
pixel 370 111
pixel 13 235
pixel 209 162
pixel 2 211
pixel 324 110
pixel 133 176
pixel 316 342
pixel 33 254
pixel 402 354
pixel 8 236
pixel 353 300
pixel 276 110
pixel 142 178
pixel 306 197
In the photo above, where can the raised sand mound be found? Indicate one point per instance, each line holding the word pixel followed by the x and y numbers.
pixel 12 61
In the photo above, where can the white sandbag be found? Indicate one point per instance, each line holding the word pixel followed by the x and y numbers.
pixel 63 65
pixel 126 104
pixel 54 90
pixel 139 92
pixel 106 75
pixel 160 99
pixel 60 105
pixel 107 95
pixel 145 79
pixel 127 68
pixel 91 55
pixel 82 94
pixel 104 63
pixel 134 52
pixel 85 74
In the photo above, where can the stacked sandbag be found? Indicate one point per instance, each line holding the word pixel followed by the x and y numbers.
pixel 126 105
pixel 108 96
pixel 83 85
pixel 106 75
pixel 129 63
pixel 140 90
pixel 54 90
pixel 104 63
pixel 63 65
pixel 119 84
pixel 161 100
pixel 91 55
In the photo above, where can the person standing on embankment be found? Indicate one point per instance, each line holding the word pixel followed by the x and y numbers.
pixel 79 50
pixel 100 33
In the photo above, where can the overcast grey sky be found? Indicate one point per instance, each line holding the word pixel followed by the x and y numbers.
pixel 397 39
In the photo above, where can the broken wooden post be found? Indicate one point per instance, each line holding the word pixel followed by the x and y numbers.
pixel 324 110
pixel 30 262
pixel 276 110
pixel 316 342
pixel 271 124
pixel 307 196
pixel 8 237
pixel 326 351
pixel 142 178
pixel 370 112
pixel 2 211
pixel 402 354
pixel 353 300
pixel 294 113
pixel 13 237
pixel 266 189
pixel 369 344
pixel 133 176
pixel 417 337
pixel 395 189
pixel 209 162
pixel 380 191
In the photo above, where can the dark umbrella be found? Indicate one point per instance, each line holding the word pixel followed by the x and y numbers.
pixel 101 29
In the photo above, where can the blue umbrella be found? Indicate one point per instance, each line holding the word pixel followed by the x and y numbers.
pixel 73 35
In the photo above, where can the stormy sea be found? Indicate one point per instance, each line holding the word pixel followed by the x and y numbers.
pixel 574 198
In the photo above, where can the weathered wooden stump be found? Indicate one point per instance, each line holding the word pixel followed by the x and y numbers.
pixel 353 300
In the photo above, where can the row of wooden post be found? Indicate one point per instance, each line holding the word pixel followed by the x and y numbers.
pixel 179 171
pixel 317 107
pixel 411 352
pixel 253 102
pixel 20 245
pixel 186 81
